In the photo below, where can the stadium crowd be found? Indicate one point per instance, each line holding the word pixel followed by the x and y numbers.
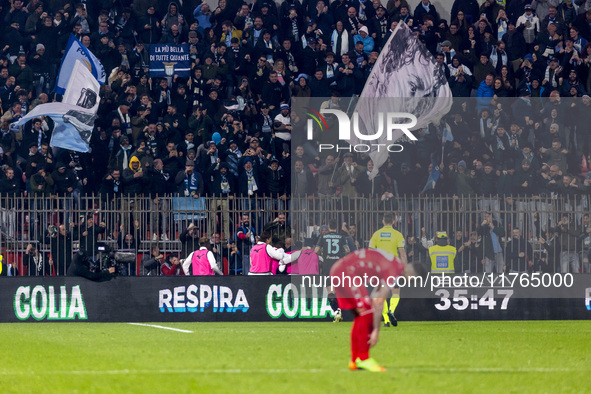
pixel 519 74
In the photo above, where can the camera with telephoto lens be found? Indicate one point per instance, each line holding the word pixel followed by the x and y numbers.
pixel 113 259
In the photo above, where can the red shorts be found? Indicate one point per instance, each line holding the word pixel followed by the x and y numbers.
pixel 353 297
pixel 354 303
pixel 362 262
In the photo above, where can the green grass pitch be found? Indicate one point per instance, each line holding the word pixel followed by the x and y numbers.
pixel 458 357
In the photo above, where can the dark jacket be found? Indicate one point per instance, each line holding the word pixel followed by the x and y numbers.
pixel 513 248
pixel 89 241
pixel 37 265
pixel 133 185
pixel 111 188
pixel 487 242
pixel 180 182
pixel 61 251
pixel 63 181
pixel 243 182
pixel 218 179
pixel 275 181
pixel 188 243
pixel 79 267
pixel 161 183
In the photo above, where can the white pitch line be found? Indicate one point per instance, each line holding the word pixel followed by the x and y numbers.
pixel 162 327
pixel 485 369
pixel 168 372
pixel 290 371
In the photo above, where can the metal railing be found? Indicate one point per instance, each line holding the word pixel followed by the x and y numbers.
pixel 59 226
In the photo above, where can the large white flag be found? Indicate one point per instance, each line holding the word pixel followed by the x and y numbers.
pixel 75 50
pixel 82 89
pixel 405 79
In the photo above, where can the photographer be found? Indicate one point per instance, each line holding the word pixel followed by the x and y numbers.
pixel 36 264
pixel 80 267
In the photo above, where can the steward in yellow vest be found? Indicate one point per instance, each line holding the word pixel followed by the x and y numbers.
pixel 442 255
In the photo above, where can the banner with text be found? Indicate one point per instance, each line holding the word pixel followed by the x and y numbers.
pixel 168 60
pixel 210 299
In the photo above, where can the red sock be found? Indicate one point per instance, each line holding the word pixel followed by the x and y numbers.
pixel 354 339
pixel 362 327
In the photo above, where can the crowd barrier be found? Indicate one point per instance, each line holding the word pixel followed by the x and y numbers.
pixel 146 222
pixel 237 299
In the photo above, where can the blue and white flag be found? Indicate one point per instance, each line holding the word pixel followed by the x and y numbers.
pixel 74 117
pixel 432 179
pixel 77 51
pixel 73 124
pixel 446 135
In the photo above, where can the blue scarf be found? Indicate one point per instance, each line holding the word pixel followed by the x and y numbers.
pixel 251 181
pixel 192 183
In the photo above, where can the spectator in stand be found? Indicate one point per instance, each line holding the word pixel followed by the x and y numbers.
pixel 65 183
pixel 172 266
pixel 36 263
pixel 189 182
pixel 492 232
pixel 189 239
pixel 222 188
pixel 88 233
pixel 423 9
pixel 151 263
pixel 249 183
pixel 129 241
pixel 568 232
pixel 556 155
pixel 60 243
pixel 10 189
pixel 345 178
pixel 10 269
pixel 486 185
pixel 278 228
pixel 245 240
pixel 485 92
pixel 585 243
pixel 160 185
pixel 519 253
pixel 550 258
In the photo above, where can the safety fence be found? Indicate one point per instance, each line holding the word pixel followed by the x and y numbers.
pixel 538 233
